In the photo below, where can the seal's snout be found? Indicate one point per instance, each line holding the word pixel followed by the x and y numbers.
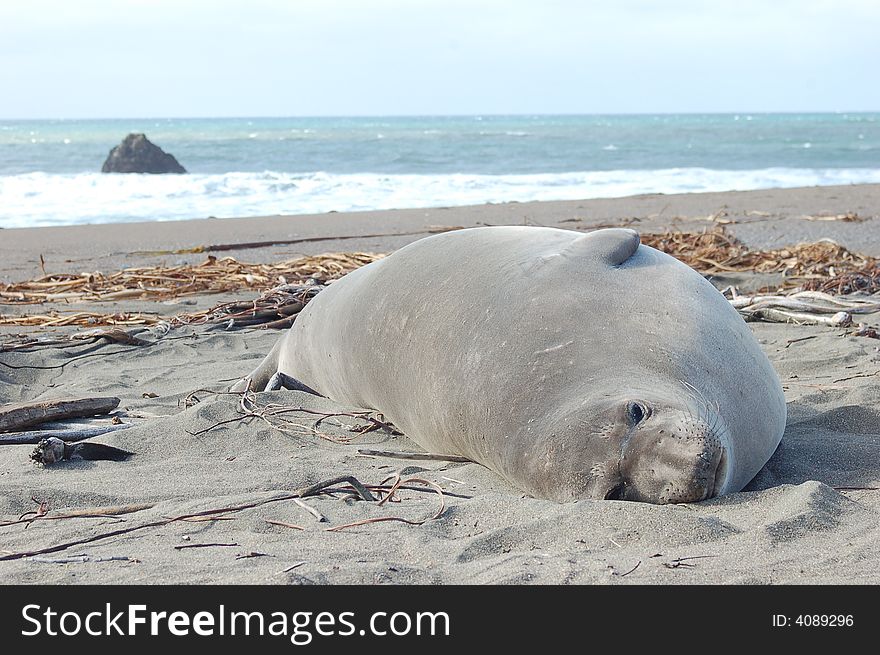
pixel 676 460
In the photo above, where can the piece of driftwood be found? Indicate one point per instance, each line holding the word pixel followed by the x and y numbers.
pixel 418 456
pixel 82 559
pixel 223 247
pixel 32 437
pixel 44 514
pixel 15 416
pixel 31 342
pixel 806 308
pixel 839 319
pixel 311 510
pixel 807 301
pixel 96 422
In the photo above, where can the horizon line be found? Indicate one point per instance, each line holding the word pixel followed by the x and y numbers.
pixel 450 115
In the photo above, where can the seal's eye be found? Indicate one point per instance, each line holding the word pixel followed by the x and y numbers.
pixel 636 412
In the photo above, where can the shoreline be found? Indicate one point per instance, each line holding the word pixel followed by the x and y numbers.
pixel 763 218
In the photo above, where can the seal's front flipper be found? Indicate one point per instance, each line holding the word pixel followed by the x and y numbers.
pixel 260 376
pixel 613 245
pixel 283 381
pixel 244 384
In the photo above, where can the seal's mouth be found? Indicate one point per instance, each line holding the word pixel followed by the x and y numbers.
pixel 720 478
pixel 710 474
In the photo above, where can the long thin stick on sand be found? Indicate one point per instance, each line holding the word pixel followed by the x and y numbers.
pixel 418 456
pixel 222 247
pixel 36 436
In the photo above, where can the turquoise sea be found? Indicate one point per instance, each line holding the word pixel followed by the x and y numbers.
pixel 260 166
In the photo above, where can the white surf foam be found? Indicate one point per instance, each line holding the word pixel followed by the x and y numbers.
pixel 38 199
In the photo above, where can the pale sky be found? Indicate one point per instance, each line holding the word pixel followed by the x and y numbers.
pixel 176 58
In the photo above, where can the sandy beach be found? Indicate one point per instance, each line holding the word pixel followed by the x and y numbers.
pixel 812 515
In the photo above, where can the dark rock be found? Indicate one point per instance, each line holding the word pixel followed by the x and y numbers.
pixel 136 154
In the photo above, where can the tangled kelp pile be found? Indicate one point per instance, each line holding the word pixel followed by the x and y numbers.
pixel 863 281
pixel 276 308
pixel 715 251
pixel 55 319
pixel 286 287
pixel 164 283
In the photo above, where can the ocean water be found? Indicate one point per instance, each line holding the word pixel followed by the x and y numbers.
pixel 49 170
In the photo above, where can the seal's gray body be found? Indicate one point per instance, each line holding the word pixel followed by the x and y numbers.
pixel 574 365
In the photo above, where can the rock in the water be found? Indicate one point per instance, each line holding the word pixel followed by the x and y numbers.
pixel 136 154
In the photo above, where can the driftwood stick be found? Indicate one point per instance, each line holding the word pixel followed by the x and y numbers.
pixel 222 247
pixel 311 510
pixel 36 436
pixel 423 456
pixel 98 512
pixel 407 487
pixel 282 524
pixel 82 559
pixel 76 423
pixel 114 510
pixel 840 319
pixel 15 416
pixel 280 324
pixel 311 490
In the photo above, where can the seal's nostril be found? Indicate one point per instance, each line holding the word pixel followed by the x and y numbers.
pixel 615 493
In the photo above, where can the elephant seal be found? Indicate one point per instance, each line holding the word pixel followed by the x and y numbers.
pixel 574 365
